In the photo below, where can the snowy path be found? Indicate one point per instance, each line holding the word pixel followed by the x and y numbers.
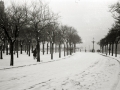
pixel 83 71
pixel 102 75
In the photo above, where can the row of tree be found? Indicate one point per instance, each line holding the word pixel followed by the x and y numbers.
pixel 112 39
pixel 28 26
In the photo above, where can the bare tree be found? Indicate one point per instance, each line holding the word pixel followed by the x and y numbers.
pixel 40 18
pixel 12 19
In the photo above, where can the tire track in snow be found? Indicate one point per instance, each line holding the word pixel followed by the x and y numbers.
pixel 22 81
pixel 31 87
pixel 18 78
pixel 95 77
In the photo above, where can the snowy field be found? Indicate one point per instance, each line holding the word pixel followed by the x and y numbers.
pixel 81 71
pixel 25 60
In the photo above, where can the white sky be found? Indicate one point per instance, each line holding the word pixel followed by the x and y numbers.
pixel 91 18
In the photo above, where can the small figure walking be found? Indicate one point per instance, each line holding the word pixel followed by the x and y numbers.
pixel 35 53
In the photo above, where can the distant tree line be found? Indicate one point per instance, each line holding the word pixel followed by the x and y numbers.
pixel 23 26
pixel 110 42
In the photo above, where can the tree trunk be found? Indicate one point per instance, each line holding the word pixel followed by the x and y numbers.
pixel 38 51
pixel 106 49
pixel 29 49
pixel 55 48
pixel 70 50
pixel 21 48
pixel 67 48
pixel 116 44
pixel 43 48
pixel 47 48
pixel 59 50
pixel 1 53
pixel 102 49
pixel 109 48
pixel 64 49
pixel 52 50
pixel 112 48
pixel 17 48
pixel 11 53
pixel 50 47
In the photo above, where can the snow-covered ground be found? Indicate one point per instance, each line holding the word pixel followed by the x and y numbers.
pixel 117 86
pixel 81 71
pixel 25 60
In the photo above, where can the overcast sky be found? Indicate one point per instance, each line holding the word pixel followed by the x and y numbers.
pixel 91 18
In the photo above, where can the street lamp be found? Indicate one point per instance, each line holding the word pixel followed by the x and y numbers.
pixel 93 45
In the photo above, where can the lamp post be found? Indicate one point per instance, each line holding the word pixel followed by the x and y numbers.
pixel 93 45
